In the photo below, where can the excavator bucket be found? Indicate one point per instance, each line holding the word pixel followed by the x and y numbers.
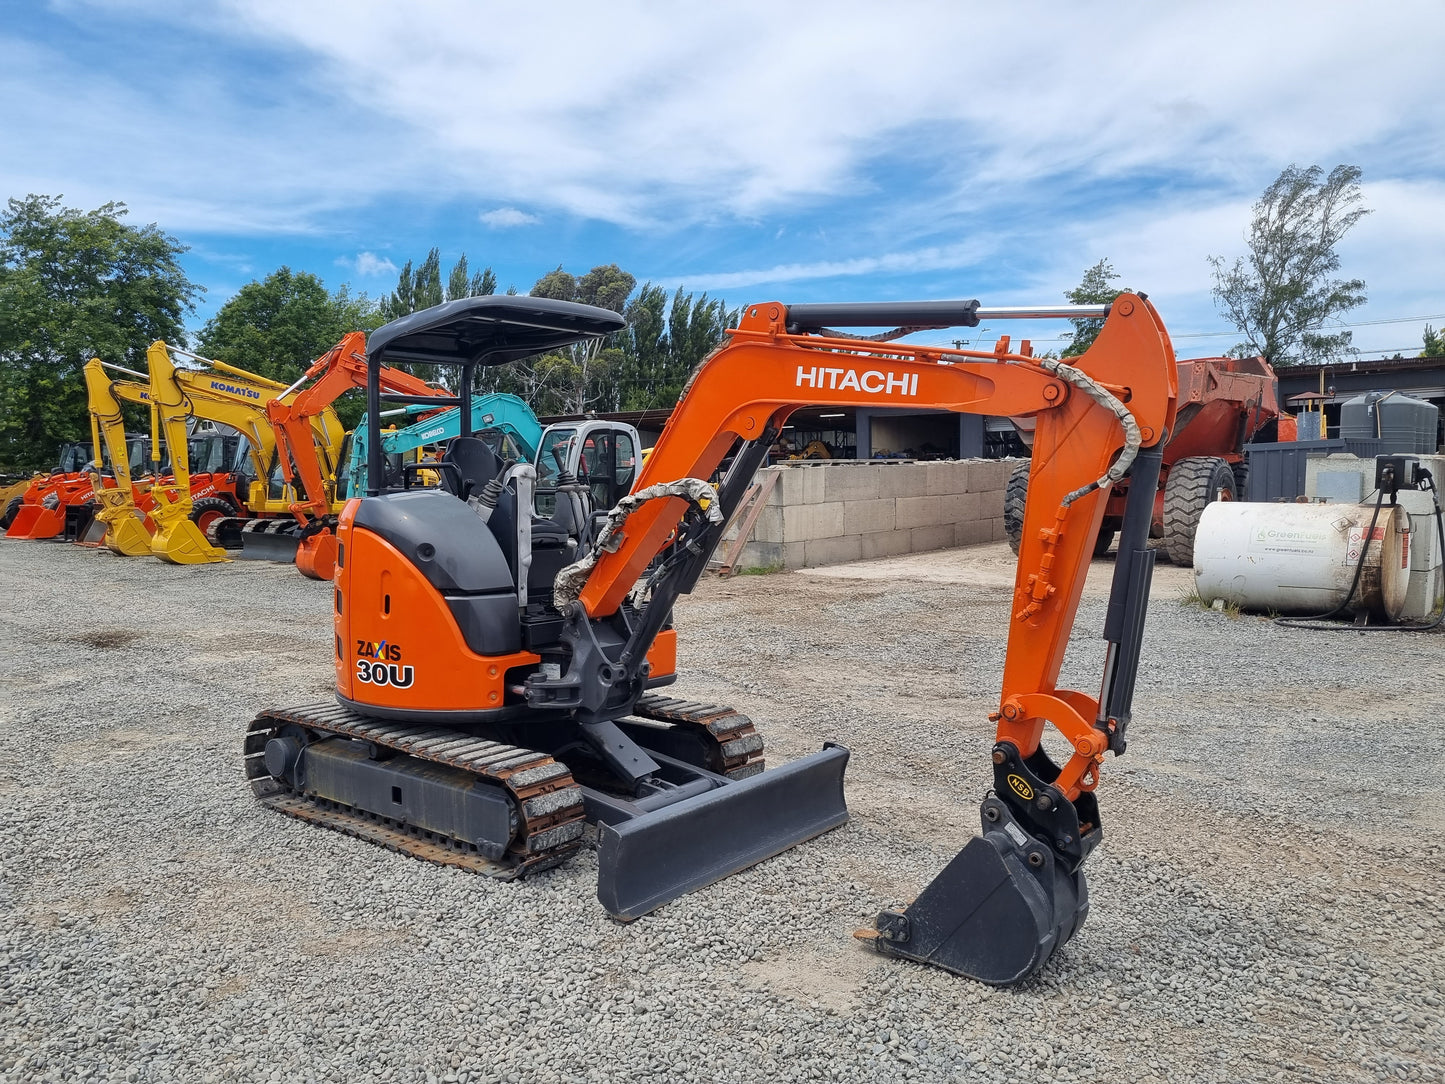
pixel 181 543
pixel 652 859
pixel 177 539
pixel 996 913
pixel 316 556
pixel 125 532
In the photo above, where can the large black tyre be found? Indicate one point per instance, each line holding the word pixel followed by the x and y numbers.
pixel 1015 494
pixel 8 516
pixel 1192 485
pixel 1241 480
pixel 209 509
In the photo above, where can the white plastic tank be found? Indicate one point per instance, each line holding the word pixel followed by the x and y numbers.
pixel 1301 558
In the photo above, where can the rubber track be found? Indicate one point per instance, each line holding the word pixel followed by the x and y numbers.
pixel 547 800
pixel 737 746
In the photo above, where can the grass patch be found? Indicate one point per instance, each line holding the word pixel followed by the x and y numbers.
pixel 759 570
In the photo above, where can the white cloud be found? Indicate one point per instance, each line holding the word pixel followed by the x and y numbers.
pixel 1002 148
pixel 368 264
pixel 507 217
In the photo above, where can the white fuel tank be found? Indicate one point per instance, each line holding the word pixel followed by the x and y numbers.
pixel 1301 558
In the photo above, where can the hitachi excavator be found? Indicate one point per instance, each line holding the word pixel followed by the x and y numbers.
pixel 497 673
pixel 234 397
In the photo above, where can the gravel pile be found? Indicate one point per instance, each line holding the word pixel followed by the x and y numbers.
pixel 1266 905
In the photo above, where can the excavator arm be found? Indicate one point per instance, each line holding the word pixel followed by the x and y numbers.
pixel 339 370
pixel 125 530
pixel 1104 413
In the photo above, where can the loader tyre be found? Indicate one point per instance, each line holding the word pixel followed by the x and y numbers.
pixel 1015 494
pixel 207 510
pixel 1192 485
pixel 1241 480
pixel 8 516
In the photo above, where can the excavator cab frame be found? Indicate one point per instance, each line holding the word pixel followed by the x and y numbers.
pixel 438 627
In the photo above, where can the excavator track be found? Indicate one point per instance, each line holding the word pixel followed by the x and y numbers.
pixel 548 803
pixel 735 748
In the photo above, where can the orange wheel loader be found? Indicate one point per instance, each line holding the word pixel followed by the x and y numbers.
pixel 498 674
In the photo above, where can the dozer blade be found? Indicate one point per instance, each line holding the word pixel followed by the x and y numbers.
pixel 650 860
pixel 277 546
pixel 181 543
pixel 996 913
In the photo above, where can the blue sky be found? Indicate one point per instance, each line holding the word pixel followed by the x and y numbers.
pixel 798 151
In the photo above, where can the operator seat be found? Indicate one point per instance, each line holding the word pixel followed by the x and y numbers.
pixel 476 465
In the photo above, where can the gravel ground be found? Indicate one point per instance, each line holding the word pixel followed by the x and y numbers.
pixel 1267 905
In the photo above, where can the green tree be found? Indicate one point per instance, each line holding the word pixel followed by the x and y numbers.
pixel 1434 343
pixel 276 327
pixel 1283 293
pixel 1096 288
pixel 582 376
pixel 422 288
pixel 76 284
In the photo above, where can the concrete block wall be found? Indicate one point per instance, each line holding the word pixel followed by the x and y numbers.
pixel 831 512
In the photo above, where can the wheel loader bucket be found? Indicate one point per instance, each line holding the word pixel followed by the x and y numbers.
pixel 650 860
pixel 94 533
pixel 35 521
pixel 996 913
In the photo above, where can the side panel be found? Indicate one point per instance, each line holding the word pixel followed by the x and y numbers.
pixel 398 646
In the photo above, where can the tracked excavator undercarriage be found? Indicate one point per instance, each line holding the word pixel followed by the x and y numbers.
pixel 500 674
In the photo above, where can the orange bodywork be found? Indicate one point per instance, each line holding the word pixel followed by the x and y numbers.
pixel 763 374
pixel 33 520
pixel 339 370
pixel 403 625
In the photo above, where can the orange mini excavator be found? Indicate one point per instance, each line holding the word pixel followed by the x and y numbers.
pixel 497 672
